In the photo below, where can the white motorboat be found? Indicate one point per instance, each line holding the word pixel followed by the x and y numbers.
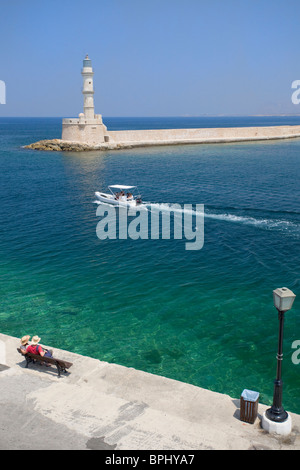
pixel 120 195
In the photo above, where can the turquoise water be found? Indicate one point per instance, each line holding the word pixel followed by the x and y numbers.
pixel 205 317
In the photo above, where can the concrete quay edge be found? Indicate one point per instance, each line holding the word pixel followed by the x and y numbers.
pixel 114 408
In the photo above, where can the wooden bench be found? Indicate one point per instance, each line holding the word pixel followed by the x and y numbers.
pixel 59 363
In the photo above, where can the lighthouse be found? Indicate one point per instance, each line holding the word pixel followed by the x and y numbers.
pixel 88 89
pixel 88 127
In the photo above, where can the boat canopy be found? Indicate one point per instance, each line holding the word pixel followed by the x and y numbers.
pixel 117 186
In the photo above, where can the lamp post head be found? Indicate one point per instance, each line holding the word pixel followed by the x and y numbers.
pixel 283 299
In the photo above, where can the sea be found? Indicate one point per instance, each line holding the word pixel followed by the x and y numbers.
pixel 205 317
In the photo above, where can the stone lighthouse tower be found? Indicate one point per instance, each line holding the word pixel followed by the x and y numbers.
pixel 88 127
pixel 88 89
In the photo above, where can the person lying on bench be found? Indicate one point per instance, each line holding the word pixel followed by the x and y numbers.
pixel 37 349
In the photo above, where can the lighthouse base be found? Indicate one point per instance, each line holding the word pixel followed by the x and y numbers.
pixel 88 131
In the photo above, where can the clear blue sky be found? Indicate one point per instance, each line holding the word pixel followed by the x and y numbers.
pixel 150 57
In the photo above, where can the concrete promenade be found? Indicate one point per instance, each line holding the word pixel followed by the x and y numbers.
pixel 110 407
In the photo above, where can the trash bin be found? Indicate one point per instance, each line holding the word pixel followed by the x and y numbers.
pixel 249 406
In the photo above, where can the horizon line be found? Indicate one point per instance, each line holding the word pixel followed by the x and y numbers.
pixel 173 116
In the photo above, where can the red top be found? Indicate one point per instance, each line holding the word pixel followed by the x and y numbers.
pixel 34 349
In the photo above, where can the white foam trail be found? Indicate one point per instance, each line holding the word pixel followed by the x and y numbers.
pixel 284 226
pixel 268 224
pixel 171 208
pixel 264 223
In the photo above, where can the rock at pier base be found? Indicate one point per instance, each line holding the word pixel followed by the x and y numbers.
pixel 58 145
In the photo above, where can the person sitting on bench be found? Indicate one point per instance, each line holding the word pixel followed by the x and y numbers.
pixel 24 343
pixel 36 353
pixel 36 348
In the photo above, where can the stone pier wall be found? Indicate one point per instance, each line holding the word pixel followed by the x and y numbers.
pixel 157 136
pixel 79 138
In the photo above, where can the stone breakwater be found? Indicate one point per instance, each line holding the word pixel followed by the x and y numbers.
pixel 141 138
pixel 57 145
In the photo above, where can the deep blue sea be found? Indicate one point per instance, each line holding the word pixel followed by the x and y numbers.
pixel 206 316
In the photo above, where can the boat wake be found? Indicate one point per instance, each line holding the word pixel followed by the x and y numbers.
pixel 290 227
pixel 236 216
pixel 260 222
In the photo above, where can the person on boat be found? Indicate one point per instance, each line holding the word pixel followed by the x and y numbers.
pixel 36 348
pixel 129 196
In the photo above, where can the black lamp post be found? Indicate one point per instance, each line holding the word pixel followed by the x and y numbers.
pixel 283 301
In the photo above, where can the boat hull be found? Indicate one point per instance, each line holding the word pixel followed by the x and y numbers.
pixel 109 199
